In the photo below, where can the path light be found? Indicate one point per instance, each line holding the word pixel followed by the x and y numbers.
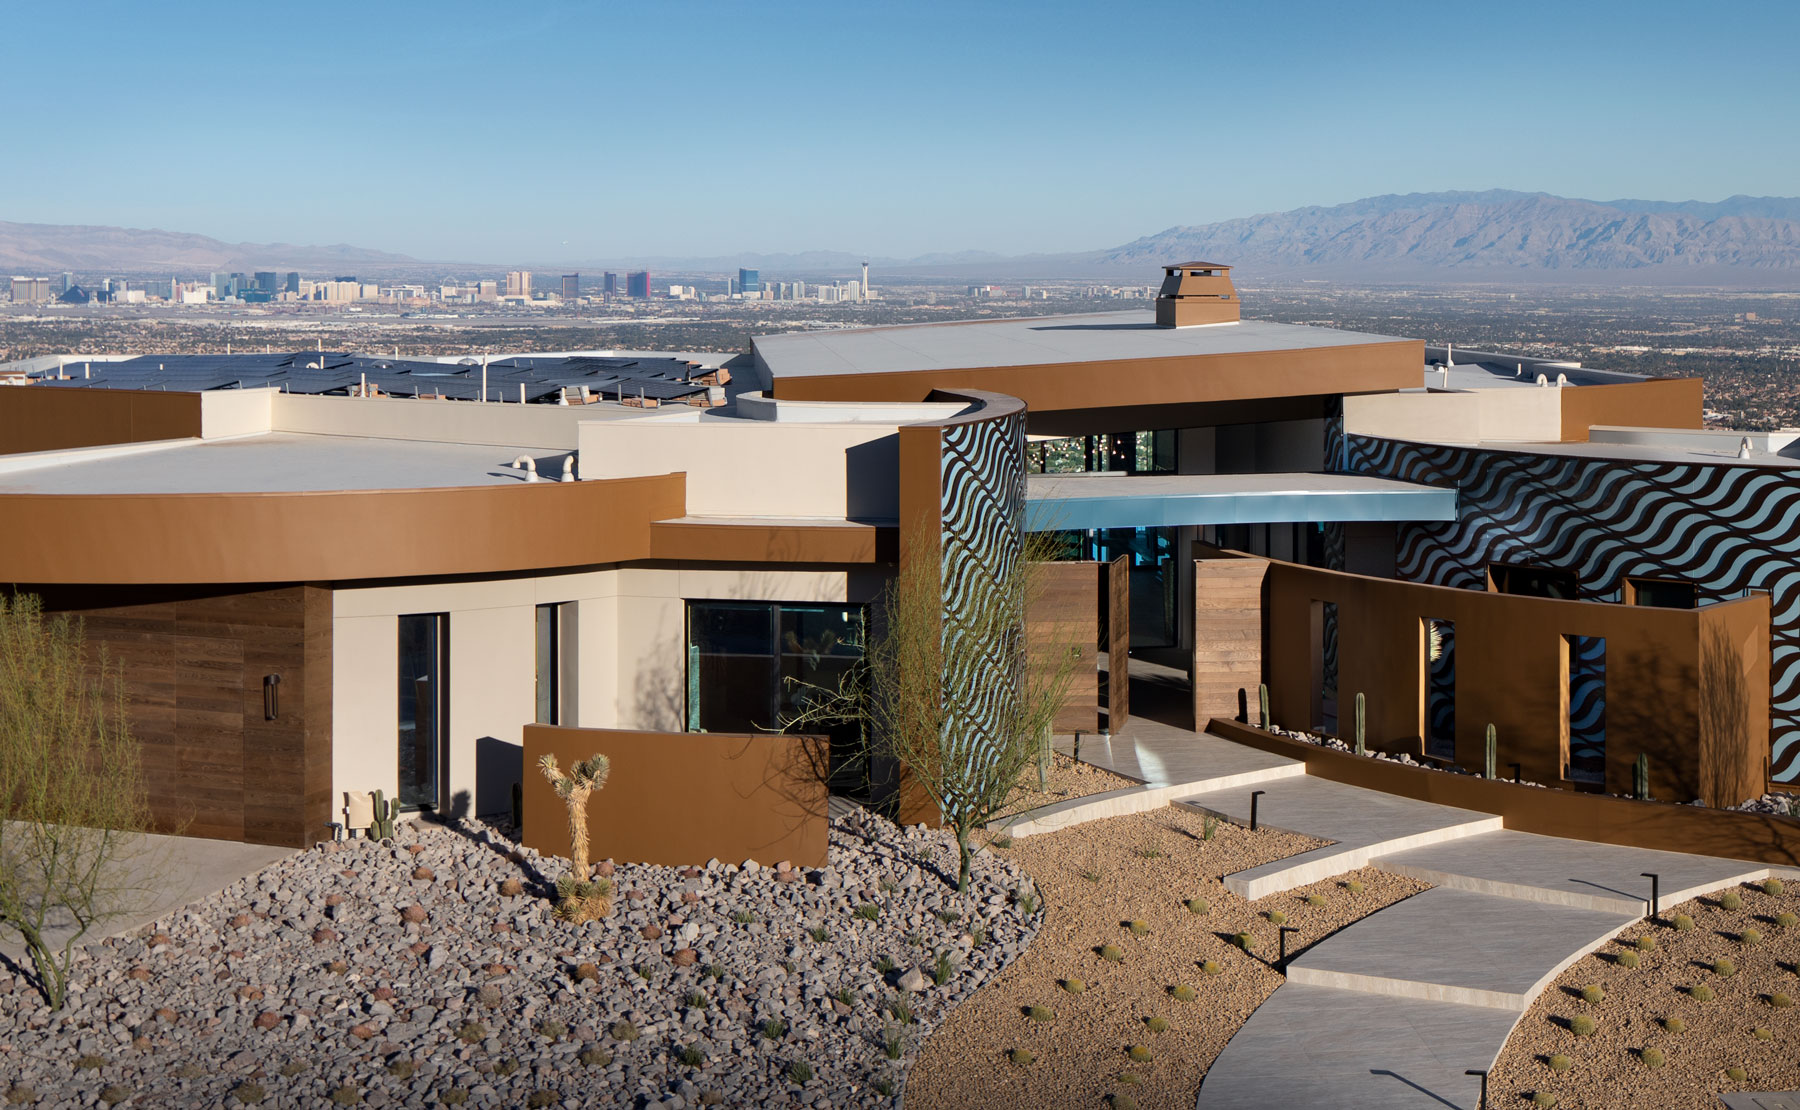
pixel 1285 930
pixel 1077 755
pixel 1482 1105
pixel 1254 794
pixel 1515 768
pixel 1655 890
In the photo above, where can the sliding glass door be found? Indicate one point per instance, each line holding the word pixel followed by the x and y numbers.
pixel 424 697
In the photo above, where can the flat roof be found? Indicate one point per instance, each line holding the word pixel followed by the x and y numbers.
pixel 272 462
pixel 1033 340
pixel 1080 501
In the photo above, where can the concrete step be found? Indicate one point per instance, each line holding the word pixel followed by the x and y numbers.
pixel 1310 1046
pixel 1549 869
pixel 1360 824
pixel 1449 945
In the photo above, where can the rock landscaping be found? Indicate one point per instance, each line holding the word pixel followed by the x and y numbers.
pixel 428 971
pixel 1136 979
pixel 1067 779
pixel 1679 1010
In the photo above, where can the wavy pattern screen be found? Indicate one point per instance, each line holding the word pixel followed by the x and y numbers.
pixel 1724 527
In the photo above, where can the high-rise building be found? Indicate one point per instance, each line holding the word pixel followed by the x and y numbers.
pixel 749 281
pixel 30 290
pixel 571 287
pixel 518 283
pixel 638 285
pixel 609 284
pixel 68 282
pixel 265 281
pixel 293 281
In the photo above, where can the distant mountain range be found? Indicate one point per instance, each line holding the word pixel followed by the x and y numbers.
pixel 1493 236
pixel 51 248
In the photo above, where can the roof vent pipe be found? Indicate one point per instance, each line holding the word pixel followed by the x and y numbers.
pixel 521 393
pixel 1449 355
pixel 569 468
pixel 484 359
pixel 530 465
pixel 1561 380
pixel 1519 371
pixel 1543 380
pixel 1744 448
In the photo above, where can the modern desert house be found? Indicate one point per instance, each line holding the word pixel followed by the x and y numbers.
pixel 321 573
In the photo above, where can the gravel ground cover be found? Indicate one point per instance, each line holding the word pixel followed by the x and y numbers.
pixel 1067 779
pixel 1075 1049
pixel 1658 1039
pixel 416 973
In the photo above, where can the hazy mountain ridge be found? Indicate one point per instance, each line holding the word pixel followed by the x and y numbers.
pixel 49 248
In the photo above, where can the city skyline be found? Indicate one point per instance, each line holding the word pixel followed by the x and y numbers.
pixel 1004 128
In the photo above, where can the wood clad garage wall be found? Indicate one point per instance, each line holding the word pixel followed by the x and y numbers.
pixel 193 663
pixel 1228 635
pixel 1118 643
pixel 1061 617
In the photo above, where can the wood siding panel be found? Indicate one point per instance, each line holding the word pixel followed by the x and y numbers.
pixel 1061 617
pixel 1228 634
pixel 1118 643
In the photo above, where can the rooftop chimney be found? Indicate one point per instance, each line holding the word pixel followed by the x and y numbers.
pixel 1196 293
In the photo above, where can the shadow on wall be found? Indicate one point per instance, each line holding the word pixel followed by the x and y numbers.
pixel 1637 720
pixel 498 767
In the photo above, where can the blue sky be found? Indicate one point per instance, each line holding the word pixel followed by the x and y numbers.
pixel 568 132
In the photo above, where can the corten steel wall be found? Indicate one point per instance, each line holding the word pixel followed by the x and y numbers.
pixel 1063 617
pixel 680 798
pixel 1193 379
pixel 962 509
pixel 1664 826
pixel 1659 403
pixel 1726 528
pixel 1118 643
pixel 50 418
pixel 1512 672
pixel 312 537
pixel 193 662
pixel 1228 634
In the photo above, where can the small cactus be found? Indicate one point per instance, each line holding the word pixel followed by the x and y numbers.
pixel 1362 747
pixel 385 812
pixel 1640 778
pixel 1491 767
pixel 1262 700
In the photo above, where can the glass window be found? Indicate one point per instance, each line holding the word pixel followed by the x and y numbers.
pixel 1663 594
pixel 1533 581
pixel 423 638
pixel 548 703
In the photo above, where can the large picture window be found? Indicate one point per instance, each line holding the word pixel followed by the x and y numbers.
pixel 752 665
pixel 424 642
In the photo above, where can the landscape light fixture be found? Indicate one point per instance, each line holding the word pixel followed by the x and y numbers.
pixel 1655 890
pixel 1077 755
pixel 1254 794
pixel 1285 930
pixel 1481 1105
pixel 1515 768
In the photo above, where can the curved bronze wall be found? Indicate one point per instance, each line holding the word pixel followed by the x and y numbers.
pixel 53 418
pixel 326 536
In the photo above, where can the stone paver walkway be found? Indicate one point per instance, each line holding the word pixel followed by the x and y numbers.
pixel 1393 1011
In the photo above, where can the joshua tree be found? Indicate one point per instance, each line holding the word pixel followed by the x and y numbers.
pixel 581 899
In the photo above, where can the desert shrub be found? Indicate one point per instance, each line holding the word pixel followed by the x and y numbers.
pixel 505 1067
pixel 1543 1098
pixel 19 1095
pixel 1626 959
pixel 889 886
pixel 1210 967
pixel 1700 993
pixel 249 1093
pixel 1122 1101
pixel 1724 968
pixel 695 1000
pixel 715 972
pixel 942 968
pixel 1244 941
pixel 594 1056
pixel 540 1098
pixel 1731 900
pixel 401 1069
pixel 112 1094
pixel 1197 905
pixel 1315 899
pixel 346 1095
pixel 1645 943
pixel 1354 886
pixel 1021 1057
pixel 1276 917
pixel 774 1029
pixel 1148 851
pixel 1652 1058
pixel 743 917
pixel 1139 1053
pixel 845 995
pixel 900 1009
pixel 471 1032
pixel 1682 922
pixel 1091 876
pixel 1736 1074
pixel 1582 1026
pixel 1157 1024
pixel 1774 887
pixel 1762 1034
pixel 1560 1063
pixel 624 1031
pixel 885 964
pixel 1137 928
pixel 1074 986
pixel 691 1056
pixel 1002 842
pixel 1128 1078
pixel 1750 936
pixel 1028 903
pixel 884 1086
pixel 893 1041
pixel 89 1062
pixel 800 1072
pixel 819 933
pixel 1209 827
pixel 1780 1001
pixel 551 1029
pixel 868 911
pixel 1786 920
pixel 1111 953
pixel 291 1069
pixel 1040 1013
pixel 1674 1025
pixel 1182 993
pixel 453 1096
pixel 1594 994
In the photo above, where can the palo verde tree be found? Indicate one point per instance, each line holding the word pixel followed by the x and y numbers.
pixel 957 693
pixel 580 897
pixel 74 806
